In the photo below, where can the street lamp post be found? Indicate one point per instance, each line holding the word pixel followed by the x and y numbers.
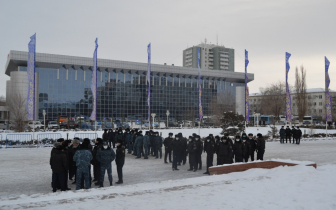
pixel 44 114
pixel 167 113
pixel 153 116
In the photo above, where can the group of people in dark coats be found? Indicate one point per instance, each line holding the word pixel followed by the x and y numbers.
pixel 294 134
pixel 71 159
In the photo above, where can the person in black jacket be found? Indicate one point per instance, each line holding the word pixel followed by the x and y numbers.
pixel 199 151
pixel 167 146
pixel 209 148
pixel 282 133
pixel 217 143
pixel 105 135
pixel 184 146
pixel 176 147
pixel 252 145
pixel 246 149
pixel 120 161
pixel 288 134
pixel 238 150
pixel 95 162
pixel 225 151
pixel 298 135
pixel 65 151
pixel 59 167
pixel 261 144
pixel 110 136
pixel 191 151
pixel 72 150
pixel 293 134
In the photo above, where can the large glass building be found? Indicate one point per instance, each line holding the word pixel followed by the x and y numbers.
pixel 63 87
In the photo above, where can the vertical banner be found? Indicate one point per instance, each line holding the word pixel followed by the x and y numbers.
pixel 288 96
pixel 31 78
pixel 200 110
pixel 148 79
pixel 93 116
pixel 327 93
pixel 247 105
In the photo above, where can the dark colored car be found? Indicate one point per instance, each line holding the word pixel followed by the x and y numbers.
pixel 71 124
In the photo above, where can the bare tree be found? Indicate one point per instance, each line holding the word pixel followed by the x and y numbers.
pixel 301 92
pixel 18 112
pixel 273 100
pixel 2 101
pixel 222 102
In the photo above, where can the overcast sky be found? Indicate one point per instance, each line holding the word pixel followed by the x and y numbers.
pixel 266 28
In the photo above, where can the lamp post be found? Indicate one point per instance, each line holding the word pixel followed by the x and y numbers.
pixel 153 116
pixel 257 114
pixel 167 113
pixel 44 114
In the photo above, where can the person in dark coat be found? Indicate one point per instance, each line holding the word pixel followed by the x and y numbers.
pixel 167 146
pixel 105 135
pixel 298 135
pixel 72 150
pixel 199 151
pixel 120 161
pixel 146 144
pixel 129 141
pixel 95 162
pixel 184 146
pixel 225 151
pixel 209 148
pixel 65 151
pixel 59 167
pixel 253 145
pixel 282 133
pixel 238 150
pixel 110 135
pixel 191 151
pixel 176 147
pixel 119 137
pixel 83 158
pixel 152 143
pixel 293 132
pixel 105 156
pixel 139 144
pixel 246 149
pixel 217 144
pixel 157 145
pixel 261 145
pixel 288 134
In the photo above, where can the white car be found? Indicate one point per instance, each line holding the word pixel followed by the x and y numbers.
pixel 35 124
pixel 52 124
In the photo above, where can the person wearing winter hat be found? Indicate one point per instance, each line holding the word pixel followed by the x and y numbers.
pixel 120 160
pixel 95 162
pixel 167 146
pixel 105 156
pixel 83 158
pixel 261 145
pixel 59 167
pixel 176 147
pixel 238 149
pixel 252 145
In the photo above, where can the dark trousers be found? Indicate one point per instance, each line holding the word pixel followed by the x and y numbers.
pixel 219 160
pixel 209 160
pixel 146 151
pixel 252 156
pixel 238 159
pixel 83 179
pixel 298 140
pixel 199 160
pixel 120 173
pixel 96 171
pixel 158 150
pixel 167 152
pixel 110 142
pixel 246 157
pixel 184 157
pixel 139 151
pixel 192 161
pixel 58 179
pixel 176 158
pixel 288 137
pixel 294 139
pixel 260 155
pixel 282 139
pixel 113 143
pixel 226 160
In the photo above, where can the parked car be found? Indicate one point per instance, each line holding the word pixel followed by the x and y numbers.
pixel 187 123
pixel 173 124
pixel 35 125
pixel 3 125
pixel 70 124
pixel 53 125
pixel 306 123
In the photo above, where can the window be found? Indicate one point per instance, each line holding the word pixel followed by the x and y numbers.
pixel 320 103
pixel 320 96
pixel 231 84
pixel 320 110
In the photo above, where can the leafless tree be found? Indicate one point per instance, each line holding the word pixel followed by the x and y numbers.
pixel 18 112
pixel 2 101
pixel 273 100
pixel 222 102
pixel 301 92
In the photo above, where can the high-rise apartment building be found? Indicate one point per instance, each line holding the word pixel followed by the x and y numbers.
pixel 213 57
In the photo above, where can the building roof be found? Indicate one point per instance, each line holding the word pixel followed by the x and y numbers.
pixel 44 60
pixel 309 90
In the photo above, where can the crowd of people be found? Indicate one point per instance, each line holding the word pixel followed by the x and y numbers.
pixel 72 161
pixel 294 134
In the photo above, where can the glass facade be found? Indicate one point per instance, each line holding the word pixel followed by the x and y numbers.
pixel 123 94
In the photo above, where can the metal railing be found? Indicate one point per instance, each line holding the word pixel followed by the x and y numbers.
pixel 19 140
pixel 91 136
pixel 47 139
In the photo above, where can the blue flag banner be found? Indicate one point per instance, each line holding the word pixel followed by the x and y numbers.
pixel 148 78
pixel 200 109
pixel 247 105
pixel 288 96
pixel 327 93
pixel 31 78
pixel 93 116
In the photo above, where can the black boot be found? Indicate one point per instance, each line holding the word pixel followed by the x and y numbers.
pixel 111 184
pixel 119 182
pixel 101 184
pixel 97 183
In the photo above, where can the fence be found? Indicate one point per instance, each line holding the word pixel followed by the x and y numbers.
pixel 47 139
pixel 19 140
pixel 91 136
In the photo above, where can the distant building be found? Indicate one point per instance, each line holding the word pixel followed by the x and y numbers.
pixel 213 57
pixel 315 100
